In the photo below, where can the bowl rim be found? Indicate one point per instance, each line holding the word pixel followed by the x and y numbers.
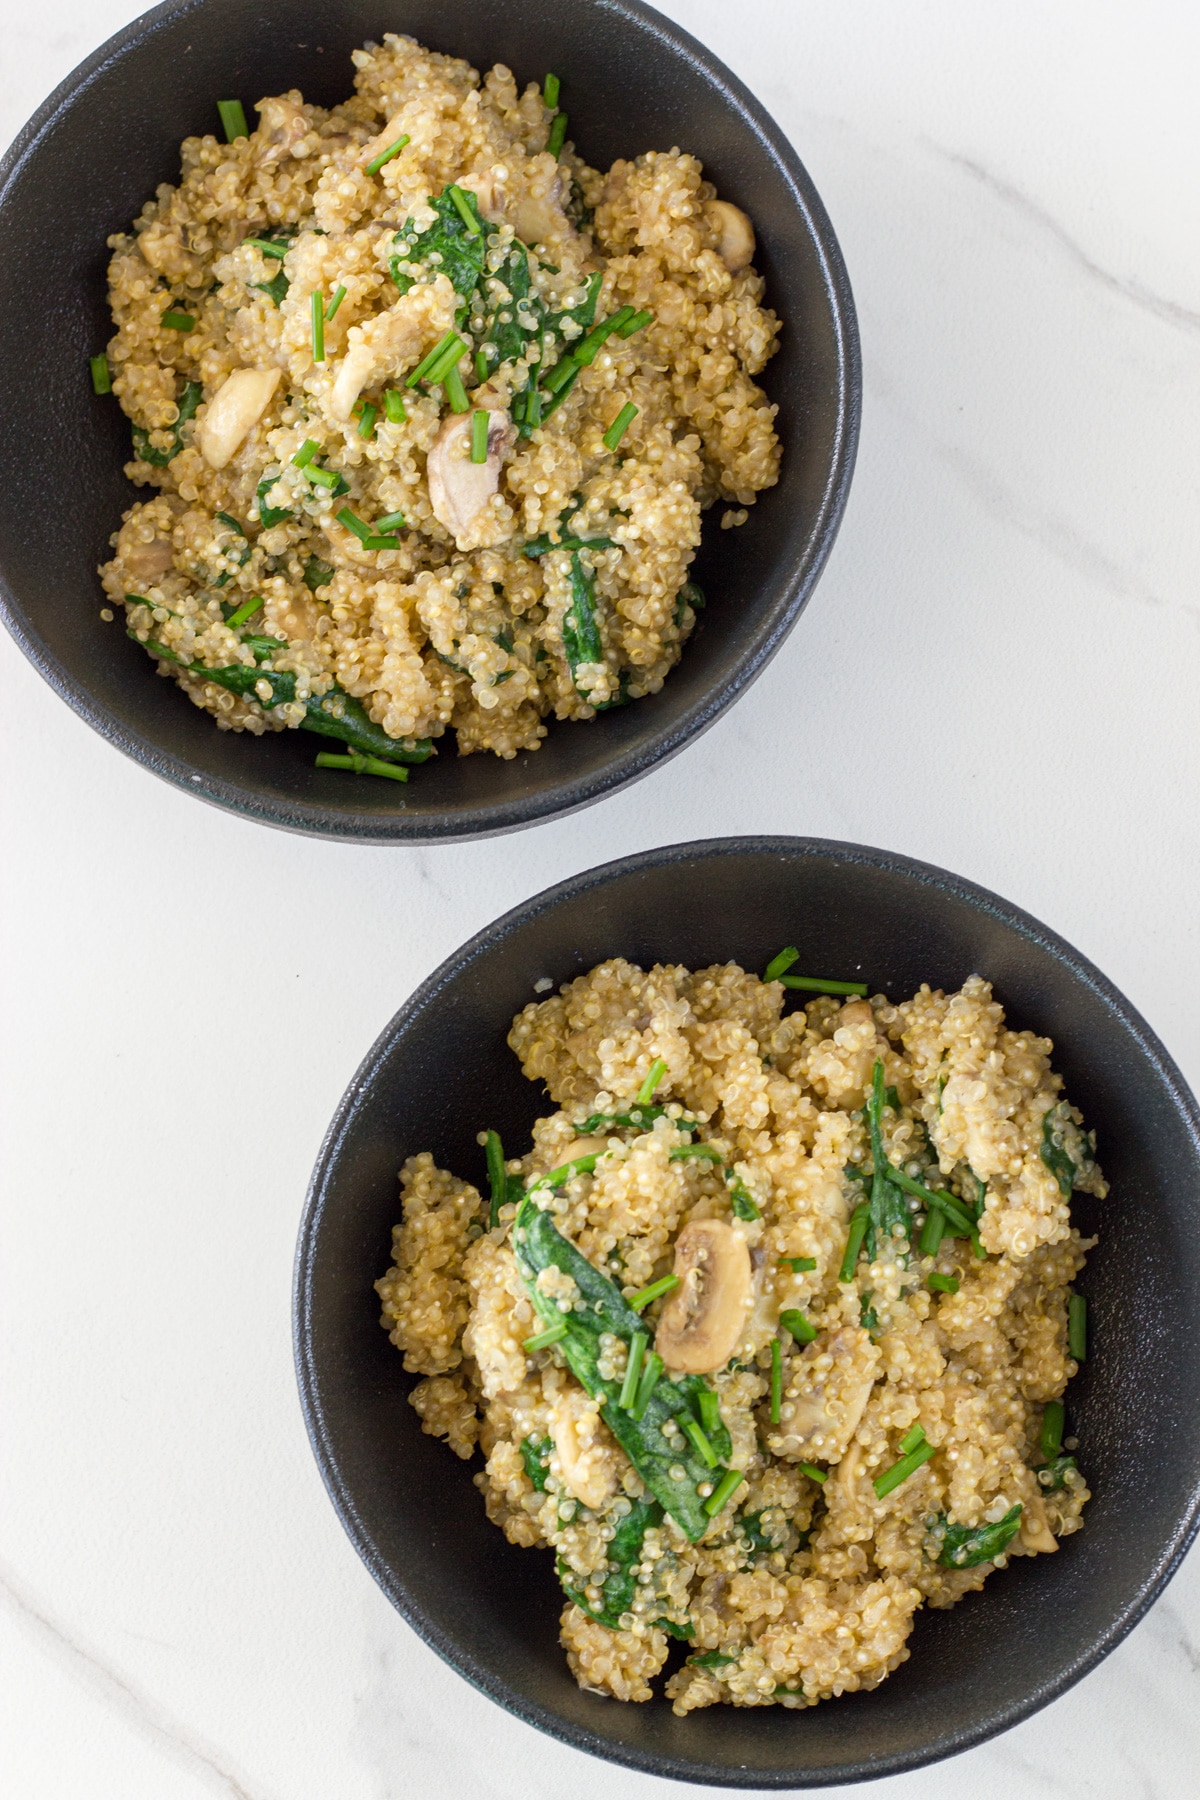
pixel 423 997
pixel 792 589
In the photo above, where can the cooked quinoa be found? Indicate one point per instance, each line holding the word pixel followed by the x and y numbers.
pixel 327 541
pixel 834 1440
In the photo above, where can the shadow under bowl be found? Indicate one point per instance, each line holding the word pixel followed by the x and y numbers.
pixel 442 1071
pixel 82 169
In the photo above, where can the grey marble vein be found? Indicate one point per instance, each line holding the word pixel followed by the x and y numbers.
pixel 113 1691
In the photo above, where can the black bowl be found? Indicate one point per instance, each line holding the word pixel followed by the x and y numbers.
pixel 441 1070
pixel 83 167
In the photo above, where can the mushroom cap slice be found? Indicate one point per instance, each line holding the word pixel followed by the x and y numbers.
pixel 735 234
pixel 704 1318
pixel 234 410
pixel 459 489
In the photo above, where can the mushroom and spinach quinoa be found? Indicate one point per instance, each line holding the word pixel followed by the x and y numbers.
pixel 431 411
pixel 766 1336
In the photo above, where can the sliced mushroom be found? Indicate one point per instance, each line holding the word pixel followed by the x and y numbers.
pixel 735 234
pixel 1035 1533
pixel 706 1314
pixel 282 124
pixel 856 1012
pixel 376 349
pixel 827 1403
pixel 587 1456
pixel 146 564
pixel 538 218
pixel 233 411
pixel 458 487
pixel 489 191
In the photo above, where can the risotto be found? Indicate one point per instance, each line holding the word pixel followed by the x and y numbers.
pixel 428 412
pixel 766 1337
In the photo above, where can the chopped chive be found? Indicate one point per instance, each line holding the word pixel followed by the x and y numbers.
pixel 318 326
pixel 802 1329
pixel 900 1471
pixel 779 965
pixel 446 361
pixel 812 984
pixel 700 1443
pixel 426 363
pixel 704 1152
pixel 588 348
pixel 268 247
pixel 1053 1419
pixel 326 478
pixel 1077 1327
pixel 932 1232
pixel 362 765
pixel 479 436
pixel 646 1386
pixel 638 1345
pixel 565 370
pixel 379 540
pixel 649 1087
pixel 620 425
pixel 481 365
pixel 913 1436
pixel 245 611
pixel 497 1177
pixel 813 1473
pixel 558 132
pixel 228 519
pixel 710 1409
pixel 101 377
pixel 393 406
pixel 463 208
pixel 942 1284
pixel 639 322
pixel 556 1178
pixel 305 453
pixel 664 1285
pixel 533 409
pixel 553 1334
pixel 390 522
pixel 551 89
pixel 800 1265
pixel 339 294
pixel 366 425
pixel 728 1485
pixel 385 156
pixel 178 321
pixel 854 1242
pixel 456 393
pixel 776 1380
pixel 352 523
pixel 936 1197
pixel 233 118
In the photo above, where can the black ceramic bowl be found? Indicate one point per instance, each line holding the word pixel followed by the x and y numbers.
pixel 441 1070
pixel 84 166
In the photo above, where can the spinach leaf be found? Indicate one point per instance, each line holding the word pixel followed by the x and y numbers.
pixel 868 1318
pixel 277 287
pixel 535 1454
pixel 1067 1152
pixel 741 1200
pixel 1052 1475
pixel 269 515
pixel 503 325
pixel 888 1206
pixel 711 1659
pixel 964 1547
pixel 459 252
pixel 317 574
pixel 688 595
pixel 580 633
pixel 620 1583
pixel 189 400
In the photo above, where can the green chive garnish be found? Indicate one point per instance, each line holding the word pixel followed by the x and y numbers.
pixel 639 322
pixel 932 1232
pixel 701 1445
pixel 101 377
pixel 479 436
pixel 497 1177
pixel 813 1473
pixel 941 1284
pixel 553 1334
pixel 366 424
pixel 551 88
pixel 352 523
pixel 393 406
pixel 268 247
pixel 779 965
pixel 427 362
pixel 326 478
pixel 1077 1327
pixel 812 984
pixel 305 453
pixel 936 1197
pixel 318 326
pixel 900 1471
pixel 646 1386
pixel 481 365
pixel 620 425
pixel 456 393
pixel 650 1086
pixel 233 118
pixel 390 522
pixel 228 519
pixel 380 541
pixel 664 1285
pixel 776 1380
pixel 385 156
pixel 710 1409
pixel 802 1329
pixel 178 321
pixel 245 611
pixel 705 1153
pixel 800 1265
pixel 363 765
pixel 913 1436
pixel 558 132
pixel 339 294
pixel 638 1345
pixel 1053 1419
pixel 854 1242
pixel 729 1483
pixel 463 208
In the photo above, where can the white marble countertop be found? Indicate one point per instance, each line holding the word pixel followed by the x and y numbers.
pixel 1014 188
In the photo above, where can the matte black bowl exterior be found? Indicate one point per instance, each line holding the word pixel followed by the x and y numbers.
pixel 84 166
pixel 441 1071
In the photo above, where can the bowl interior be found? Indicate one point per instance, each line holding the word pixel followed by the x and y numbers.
pixel 442 1071
pixel 632 83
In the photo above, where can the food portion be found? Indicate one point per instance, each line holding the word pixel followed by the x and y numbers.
pixel 767 1335
pixel 428 412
